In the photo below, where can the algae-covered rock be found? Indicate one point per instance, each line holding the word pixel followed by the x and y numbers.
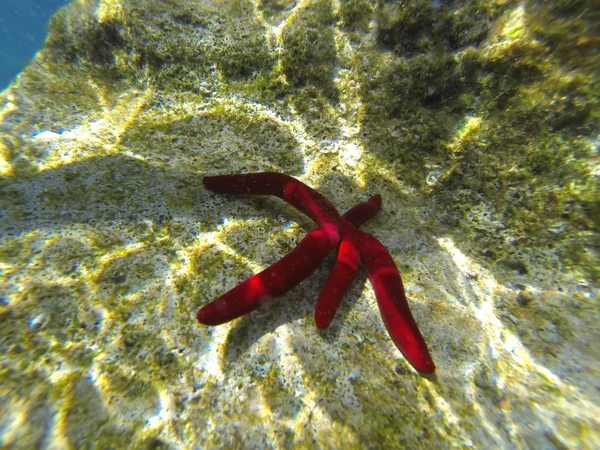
pixel 478 122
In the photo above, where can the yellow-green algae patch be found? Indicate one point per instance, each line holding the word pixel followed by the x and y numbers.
pixel 476 121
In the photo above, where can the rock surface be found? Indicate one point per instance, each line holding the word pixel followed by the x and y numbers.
pixel 478 123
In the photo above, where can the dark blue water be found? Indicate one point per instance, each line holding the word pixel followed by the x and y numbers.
pixel 22 32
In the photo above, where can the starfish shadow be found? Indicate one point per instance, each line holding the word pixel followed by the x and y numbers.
pixel 251 328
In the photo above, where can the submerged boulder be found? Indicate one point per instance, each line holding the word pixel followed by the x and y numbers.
pixel 478 124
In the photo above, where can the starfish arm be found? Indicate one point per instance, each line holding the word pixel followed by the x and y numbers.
pixel 347 263
pixel 392 303
pixel 339 280
pixel 305 199
pixel 359 214
pixel 275 280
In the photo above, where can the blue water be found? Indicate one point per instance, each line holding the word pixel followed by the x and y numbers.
pixel 23 27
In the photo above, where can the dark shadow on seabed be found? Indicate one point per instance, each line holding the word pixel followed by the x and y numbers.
pixel 125 189
pixel 251 328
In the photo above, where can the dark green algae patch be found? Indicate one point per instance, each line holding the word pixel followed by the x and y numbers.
pixel 426 71
pixel 478 122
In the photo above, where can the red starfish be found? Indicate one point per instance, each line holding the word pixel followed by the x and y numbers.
pixel 333 231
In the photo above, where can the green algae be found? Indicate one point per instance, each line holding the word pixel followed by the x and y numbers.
pixel 64 255
pixel 308 55
pixel 308 58
pixel 274 11
pixel 356 14
pixel 187 134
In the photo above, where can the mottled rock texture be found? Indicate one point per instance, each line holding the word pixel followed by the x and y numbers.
pixel 477 121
